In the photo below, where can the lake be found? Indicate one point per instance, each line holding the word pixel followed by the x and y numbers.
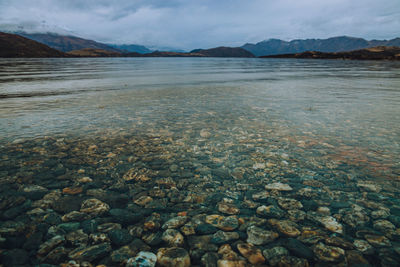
pixel 267 155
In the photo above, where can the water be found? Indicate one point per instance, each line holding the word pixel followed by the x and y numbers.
pixel 207 126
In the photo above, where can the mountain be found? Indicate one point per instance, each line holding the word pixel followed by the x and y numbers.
pixel 131 48
pixel 66 43
pixel 334 44
pixel 12 45
pixel 374 53
pixel 171 54
pixel 92 52
pixel 213 52
pixel 224 52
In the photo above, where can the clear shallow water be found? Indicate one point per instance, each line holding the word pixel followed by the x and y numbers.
pixel 343 102
pixel 221 124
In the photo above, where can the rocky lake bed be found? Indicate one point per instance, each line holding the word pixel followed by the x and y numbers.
pixel 201 183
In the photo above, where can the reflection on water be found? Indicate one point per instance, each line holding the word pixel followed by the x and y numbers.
pixel 217 130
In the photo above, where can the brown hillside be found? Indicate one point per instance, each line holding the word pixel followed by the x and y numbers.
pixel 12 45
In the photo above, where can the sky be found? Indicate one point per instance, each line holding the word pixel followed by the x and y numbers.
pixel 190 24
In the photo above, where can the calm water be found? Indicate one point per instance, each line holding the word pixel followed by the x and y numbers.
pixel 228 121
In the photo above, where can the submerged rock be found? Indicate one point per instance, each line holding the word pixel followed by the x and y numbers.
pixel 50 244
pixel 253 254
pixel 270 212
pixel 209 259
pixel 175 222
pixel 231 263
pixel 143 259
pixel 120 237
pixel 90 253
pixel 279 187
pixel 229 223
pixel 94 207
pixel 286 228
pixel 259 236
pixel 173 238
pixel 331 224
pixel 173 257
pixel 298 249
pixel 228 208
pixel 328 253
pixel 222 237
pixel 274 255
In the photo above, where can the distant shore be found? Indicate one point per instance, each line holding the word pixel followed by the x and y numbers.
pixel 374 53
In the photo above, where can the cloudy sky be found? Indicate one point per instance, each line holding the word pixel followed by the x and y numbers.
pixel 189 24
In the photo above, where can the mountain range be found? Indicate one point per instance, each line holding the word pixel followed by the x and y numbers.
pixel 334 44
pixel 67 43
pixel 55 45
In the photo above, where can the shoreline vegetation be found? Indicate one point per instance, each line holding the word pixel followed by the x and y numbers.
pixel 16 46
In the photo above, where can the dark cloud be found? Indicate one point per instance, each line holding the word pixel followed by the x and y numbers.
pixel 191 24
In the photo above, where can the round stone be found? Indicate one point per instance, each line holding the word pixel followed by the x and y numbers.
pixel 173 257
pixel 259 236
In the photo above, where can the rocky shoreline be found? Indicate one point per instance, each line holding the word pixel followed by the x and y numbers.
pixel 155 200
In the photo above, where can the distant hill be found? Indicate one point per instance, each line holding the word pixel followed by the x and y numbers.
pixel 213 52
pixel 374 53
pixel 66 43
pixel 170 54
pixel 224 52
pixel 91 52
pixel 334 44
pixel 12 45
pixel 132 48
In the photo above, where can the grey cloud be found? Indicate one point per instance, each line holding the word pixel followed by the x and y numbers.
pixel 191 24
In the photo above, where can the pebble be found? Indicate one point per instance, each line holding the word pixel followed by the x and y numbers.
pixel 143 200
pixel 328 253
pixel 251 253
pixel 274 255
pixel 85 180
pixel 229 223
pixel 173 257
pixel 285 227
pixel 289 204
pixel 228 208
pixel 72 190
pixel 77 238
pixel 175 222
pixel 378 241
pixel 331 224
pixel 279 187
pixel 120 237
pixel 94 207
pixel 209 259
pixel 90 253
pixel 259 236
pixel 363 246
pixel 298 249
pixel 222 237
pixel 270 212
pixel 143 259
pixel 50 244
pixel 231 263
pixel 369 186
pixel 383 226
pixel 173 238
pixel 290 261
